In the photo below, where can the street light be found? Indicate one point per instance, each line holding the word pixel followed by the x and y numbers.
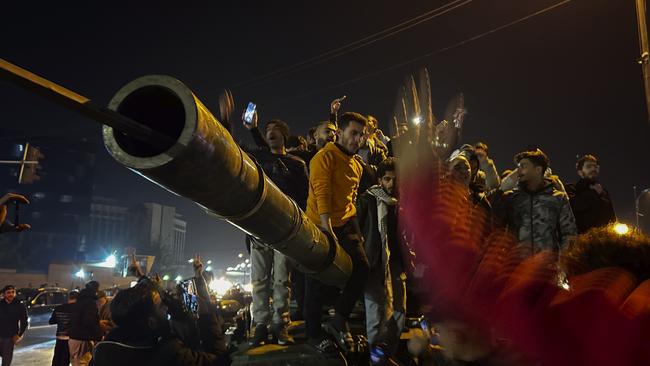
pixel 80 274
pixel 240 255
pixel 209 261
pixel 190 261
pixel 178 278
pixel 220 286
pixel 620 228
pixel 166 277
pixel 208 268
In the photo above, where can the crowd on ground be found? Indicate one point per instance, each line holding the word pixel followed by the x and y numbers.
pixel 345 175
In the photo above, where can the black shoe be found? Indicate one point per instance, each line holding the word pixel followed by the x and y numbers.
pixel 281 334
pixel 260 335
pixel 343 338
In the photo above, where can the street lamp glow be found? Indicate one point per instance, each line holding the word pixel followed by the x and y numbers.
pixel 111 261
pixel 417 120
pixel 220 286
pixel 178 278
pixel 246 261
pixel 209 261
pixel 190 261
pixel 621 229
pixel 80 274
pixel 240 255
pixel 208 268
pixel 166 277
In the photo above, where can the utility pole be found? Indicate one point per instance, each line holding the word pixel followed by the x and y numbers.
pixel 645 51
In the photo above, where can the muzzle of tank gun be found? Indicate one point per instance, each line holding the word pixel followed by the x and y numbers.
pixel 203 163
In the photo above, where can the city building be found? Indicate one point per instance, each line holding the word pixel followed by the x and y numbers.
pixel 60 200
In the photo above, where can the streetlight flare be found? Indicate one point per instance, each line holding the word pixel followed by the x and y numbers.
pixel 621 229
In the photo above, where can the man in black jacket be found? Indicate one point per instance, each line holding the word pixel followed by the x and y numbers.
pixel 84 325
pixel 13 323
pixel 385 291
pixel 61 317
pixel 590 202
pixel 269 268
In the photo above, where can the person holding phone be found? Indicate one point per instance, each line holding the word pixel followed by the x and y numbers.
pixel 269 268
pixel 6 225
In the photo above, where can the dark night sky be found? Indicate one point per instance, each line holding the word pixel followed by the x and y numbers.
pixel 566 80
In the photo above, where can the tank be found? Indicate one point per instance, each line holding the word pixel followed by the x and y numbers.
pixel 203 163
pixel 156 127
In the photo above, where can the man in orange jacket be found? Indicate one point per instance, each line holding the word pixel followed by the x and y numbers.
pixel 335 173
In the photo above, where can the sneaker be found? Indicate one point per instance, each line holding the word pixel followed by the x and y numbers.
pixel 342 337
pixel 281 334
pixel 260 335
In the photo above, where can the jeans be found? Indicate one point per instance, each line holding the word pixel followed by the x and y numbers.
pixel 61 353
pixel 6 351
pixel 270 279
pixel 351 293
pixel 385 302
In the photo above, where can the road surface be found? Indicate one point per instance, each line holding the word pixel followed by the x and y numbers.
pixel 37 347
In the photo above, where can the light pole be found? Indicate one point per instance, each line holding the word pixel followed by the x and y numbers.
pixel 645 50
pixel 637 211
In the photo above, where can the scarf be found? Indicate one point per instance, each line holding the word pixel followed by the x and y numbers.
pixel 384 200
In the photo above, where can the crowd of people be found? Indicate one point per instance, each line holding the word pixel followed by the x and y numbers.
pixel 345 175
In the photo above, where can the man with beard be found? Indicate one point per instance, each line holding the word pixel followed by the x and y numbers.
pixel 535 212
pixel 13 323
pixel 335 172
pixel 385 294
pixel 590 202
pixel 324 131
pixel 270 269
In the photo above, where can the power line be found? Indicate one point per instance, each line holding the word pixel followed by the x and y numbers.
pixel 432 53
pixel 353 46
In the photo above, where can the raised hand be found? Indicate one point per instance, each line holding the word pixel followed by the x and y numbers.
pixel 134 268
pixel 197 265
pixel 13 197
pixel 336 104
pixel 254 121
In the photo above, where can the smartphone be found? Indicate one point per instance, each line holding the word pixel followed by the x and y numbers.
pixel 188 295
pixel 250 111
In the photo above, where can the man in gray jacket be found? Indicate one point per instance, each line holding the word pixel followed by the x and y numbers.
pixel 536 212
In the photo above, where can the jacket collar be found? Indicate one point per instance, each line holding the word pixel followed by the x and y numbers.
pixel 584 183
pixel 546 188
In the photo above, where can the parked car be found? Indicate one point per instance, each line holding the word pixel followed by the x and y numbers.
pixel 41 302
